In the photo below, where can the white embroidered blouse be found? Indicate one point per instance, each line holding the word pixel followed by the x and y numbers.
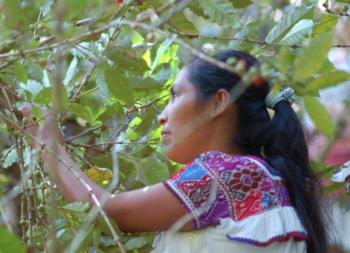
pixel 239 204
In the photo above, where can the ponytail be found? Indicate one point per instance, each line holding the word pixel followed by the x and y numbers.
pixel 286 150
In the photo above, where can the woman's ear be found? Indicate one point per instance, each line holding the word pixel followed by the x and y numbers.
pixel 222 101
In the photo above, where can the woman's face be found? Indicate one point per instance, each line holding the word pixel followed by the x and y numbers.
pixel 186 123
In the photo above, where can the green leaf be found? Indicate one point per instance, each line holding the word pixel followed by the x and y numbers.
pixel 10 243
pixel 219 11
pixel 162 72
pixel 76 207
pixel 313 57
pixel 327 80
pixel 146 123
pixel 119 86
pixel 204 26
pixel 8 157
pixel 44 97
pixel 238 42
pixel 319 116
pixel 165 53
pixel 154 169
pixel 17 15
pixel 298 33
pixel 135 243
pixel 241 3
pixel 137 65
pixel 34 87
pixel 287 22
pixel 81 111
pixel 326 24
pixel 73 9
pixel 180 22
pixel 111 111
pixel 284 59
pixel 20 72
pixel 142 84
pixel 72 69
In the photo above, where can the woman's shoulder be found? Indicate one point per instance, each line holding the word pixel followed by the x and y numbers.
pixel 224 163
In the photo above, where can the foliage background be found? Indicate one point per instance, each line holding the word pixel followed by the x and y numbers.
pixel 106 68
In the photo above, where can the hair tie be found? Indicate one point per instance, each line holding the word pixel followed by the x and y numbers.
pixel 272 98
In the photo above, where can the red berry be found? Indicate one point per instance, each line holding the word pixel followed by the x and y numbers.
pixel 134 25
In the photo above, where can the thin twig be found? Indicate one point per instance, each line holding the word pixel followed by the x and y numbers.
pixel 90 130
pixel 338 13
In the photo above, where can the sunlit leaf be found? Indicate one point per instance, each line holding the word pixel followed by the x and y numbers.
pixel 21 73
pixel 219 11
pixel 44 96
pixel 287 22
pixel 10 243
pixel 298 33
pixel 284 59
pixel 238 42
pixel 319 116
pixel 326 24
pixel 204 26
pixel 327 80
pixel 313 57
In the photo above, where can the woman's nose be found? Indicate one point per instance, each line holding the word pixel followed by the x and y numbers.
pixel 162 118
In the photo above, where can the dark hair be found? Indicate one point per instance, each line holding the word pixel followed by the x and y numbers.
pixel 280 140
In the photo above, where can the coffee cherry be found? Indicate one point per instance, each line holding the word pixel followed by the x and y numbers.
pixel 42 186
pixel 25 121
pixel 150 37
pixel 338 9
pixel 134 25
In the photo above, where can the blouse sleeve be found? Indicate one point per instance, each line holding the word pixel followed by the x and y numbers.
pixel 197 190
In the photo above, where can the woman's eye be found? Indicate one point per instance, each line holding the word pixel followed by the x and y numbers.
pixel 173 94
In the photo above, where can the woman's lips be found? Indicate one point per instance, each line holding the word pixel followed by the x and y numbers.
pixel 165 136
pixel 164 132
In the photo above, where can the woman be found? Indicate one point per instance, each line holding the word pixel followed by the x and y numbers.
pixel 246 185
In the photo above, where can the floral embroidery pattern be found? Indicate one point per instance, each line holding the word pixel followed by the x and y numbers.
pixel 246 188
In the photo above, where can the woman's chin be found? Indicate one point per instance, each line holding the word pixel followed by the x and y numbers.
pixel 176 155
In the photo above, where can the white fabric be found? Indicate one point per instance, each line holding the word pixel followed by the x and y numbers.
pixel 265 226
pixel 342 174
pixel 260 228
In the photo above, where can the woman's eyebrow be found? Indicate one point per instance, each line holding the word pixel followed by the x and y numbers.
pixel 174 87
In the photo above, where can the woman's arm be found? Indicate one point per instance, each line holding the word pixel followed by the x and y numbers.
pixel 152 208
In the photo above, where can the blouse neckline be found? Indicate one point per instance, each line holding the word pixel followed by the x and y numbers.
pixel 211 155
